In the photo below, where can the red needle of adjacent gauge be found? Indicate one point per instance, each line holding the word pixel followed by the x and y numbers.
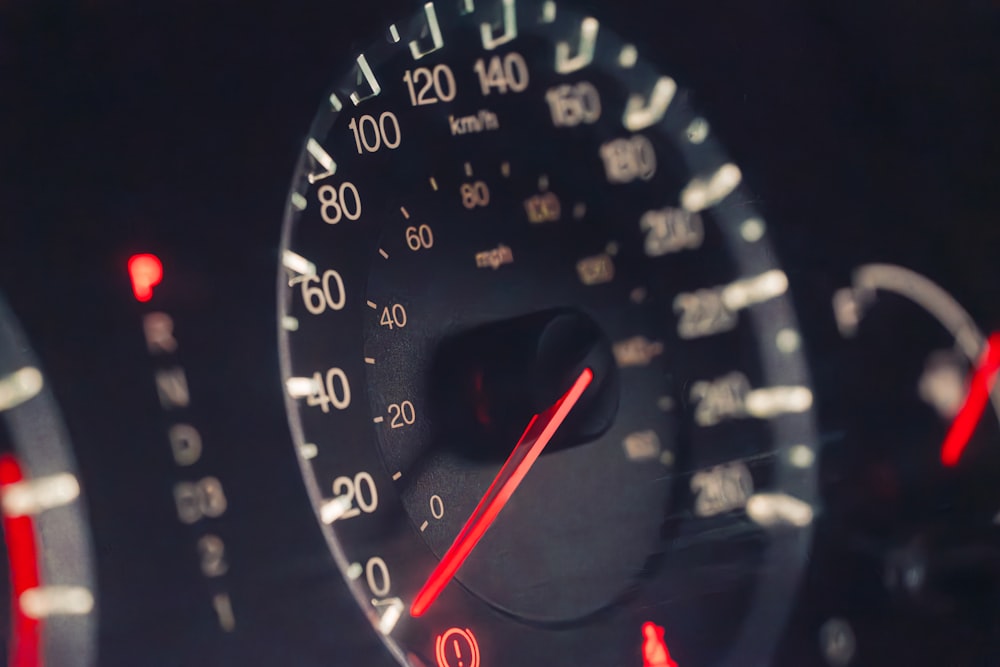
pixel 536 436
pixel 971 411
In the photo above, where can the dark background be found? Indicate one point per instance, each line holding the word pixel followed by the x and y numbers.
pixel 867 130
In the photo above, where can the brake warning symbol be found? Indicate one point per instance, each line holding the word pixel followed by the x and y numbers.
pixel 457 648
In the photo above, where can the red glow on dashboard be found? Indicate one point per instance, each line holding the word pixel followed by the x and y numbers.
pixel 964 425
pixel 654 648
pixel 146 272
pixel 22 555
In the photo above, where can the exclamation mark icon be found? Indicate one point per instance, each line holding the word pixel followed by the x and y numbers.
pixel 457 647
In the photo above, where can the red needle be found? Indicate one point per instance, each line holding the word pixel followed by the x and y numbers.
pixel 968 416
pixel 536 436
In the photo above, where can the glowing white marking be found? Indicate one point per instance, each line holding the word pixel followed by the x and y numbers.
pixel 505 169
pixel 423 526
pixel 298 201
pixel 333 509
pixel 322 158
pixel 665 403
pixel 384 254
pixel 788 341
pixel 548 12
pixel 752 230
pixel 434 184
pixel 579 210
pixel 642 445
pixel 468 169
pixel 390 617
pixel 467 7
pixel 37 495
pixel 701 193
pixel 942 384
pixel 667 458
pixel 299 387
pixel 406 214
pixel 370 361
pixel 308 451
pixel 640 113
pixel 369 75
pixel 509 24
pixel 289 323
pixel 20 386
pixel 932 298
pixel 371 304
pixel 996 519
pixel 628 57
pixel 435 31
pixel 566 63
pixel 378 420
pixel 297 263
pixel 697 131
pixel 224 611
pixel 393 33
pixel 801 456
pixel 777 509
pixel 354 571
pixel 396 476
pixel 769 402
pixel 758 289
pixel 45 601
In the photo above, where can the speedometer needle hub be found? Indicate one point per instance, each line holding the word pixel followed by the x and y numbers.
pixel 536 436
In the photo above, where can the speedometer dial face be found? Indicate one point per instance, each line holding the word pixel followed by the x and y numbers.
pixel 540 362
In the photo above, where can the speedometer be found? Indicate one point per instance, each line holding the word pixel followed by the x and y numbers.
pixel 540 361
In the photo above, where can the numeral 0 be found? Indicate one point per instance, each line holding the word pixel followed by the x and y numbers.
pixel 377 575
pixel 370 135
pixel 437 507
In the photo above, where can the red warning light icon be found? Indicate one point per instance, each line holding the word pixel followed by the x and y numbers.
pixel 146 272
pixel 654 648
pixel 457 648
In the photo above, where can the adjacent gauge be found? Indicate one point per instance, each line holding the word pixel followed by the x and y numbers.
pixel 908 551
pixel 541 364
pixel 49 581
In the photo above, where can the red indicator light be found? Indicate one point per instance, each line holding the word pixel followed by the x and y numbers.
pixel 457 648
pixel 654 648
pixel 22 555
pixel 146 272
